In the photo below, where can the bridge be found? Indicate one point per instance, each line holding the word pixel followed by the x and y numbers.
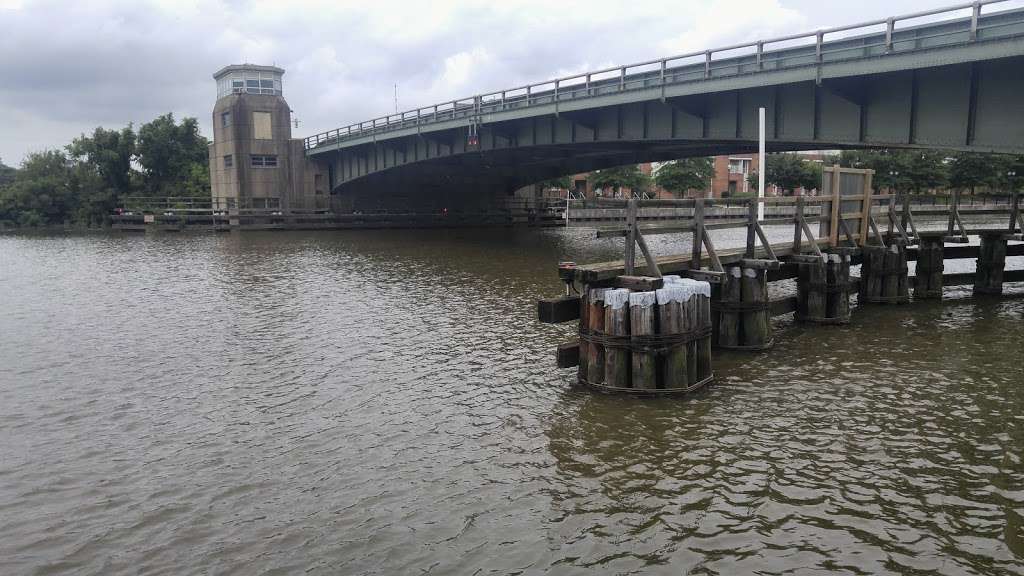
pixel 947 78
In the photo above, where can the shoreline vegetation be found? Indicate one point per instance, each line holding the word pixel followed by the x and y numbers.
pixel 79 186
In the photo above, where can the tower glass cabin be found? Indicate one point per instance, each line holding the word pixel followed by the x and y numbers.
pixel 256 167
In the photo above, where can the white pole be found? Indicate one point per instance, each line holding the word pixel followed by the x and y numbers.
pixel 760 163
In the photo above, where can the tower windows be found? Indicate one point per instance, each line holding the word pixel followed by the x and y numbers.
pixel 263 161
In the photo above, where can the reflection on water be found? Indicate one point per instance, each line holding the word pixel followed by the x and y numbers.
pixel 385 402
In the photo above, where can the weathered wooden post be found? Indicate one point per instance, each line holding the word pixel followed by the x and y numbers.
pixel 641 327
pixel 890 279
pixel 930 266
pixel 871 273
pixel 690 323
pixel 728 309
pixel 671 299
pixel 811 296
pixel 756 326
pixel 595 324
pixel 702 295
pixel 883 275
pixel 616 324
pixel 584 353
pixel 991 261
pixel 837 307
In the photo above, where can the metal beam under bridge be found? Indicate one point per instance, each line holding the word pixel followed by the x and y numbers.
pixel 954 83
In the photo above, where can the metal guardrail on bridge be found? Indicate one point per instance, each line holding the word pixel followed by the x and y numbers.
pixel 866 41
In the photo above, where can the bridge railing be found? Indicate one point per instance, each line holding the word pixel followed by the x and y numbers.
pixel 958 24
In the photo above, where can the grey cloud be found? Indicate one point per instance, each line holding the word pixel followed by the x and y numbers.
pixel 68 65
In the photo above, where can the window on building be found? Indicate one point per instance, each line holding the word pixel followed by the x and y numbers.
pixel 739 165
pixel 225 119
pixel 237 85
pixel 229 161
pixel 261 127
pixel 263 161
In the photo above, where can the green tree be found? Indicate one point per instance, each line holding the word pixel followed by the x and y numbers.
pixel 102 172
pixel 899 169
pixel 679 176
pixel 620 177
pixel 109 153
pixel 40 194
pixel 969 170
pixel 7 174
pixel 789 172
pixel 561 182
pixel 169 153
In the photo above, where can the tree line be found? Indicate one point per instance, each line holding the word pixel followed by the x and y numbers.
pixel 902 170
pixel 84 182
pixel 896 169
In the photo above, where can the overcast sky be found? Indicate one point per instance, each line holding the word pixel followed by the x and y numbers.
pixel 67 67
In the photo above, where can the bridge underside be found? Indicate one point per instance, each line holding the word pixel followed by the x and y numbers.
pixel 976 106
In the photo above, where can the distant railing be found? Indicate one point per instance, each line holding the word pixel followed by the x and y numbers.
pixel 862 40
pixel 198 205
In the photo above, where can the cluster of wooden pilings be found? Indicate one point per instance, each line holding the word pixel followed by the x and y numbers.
pixel 655 337
pixel 632 338
pixel 883 275
pixel 823 289
pixel 742 321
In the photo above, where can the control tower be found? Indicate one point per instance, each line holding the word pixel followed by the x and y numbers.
pixel 255 164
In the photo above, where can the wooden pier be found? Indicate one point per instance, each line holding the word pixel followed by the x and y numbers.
pixel 854 226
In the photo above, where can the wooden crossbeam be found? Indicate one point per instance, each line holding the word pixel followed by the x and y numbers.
pixel 874 230
pixel 716 264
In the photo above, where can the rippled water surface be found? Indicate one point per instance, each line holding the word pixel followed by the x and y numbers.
pixel 386 403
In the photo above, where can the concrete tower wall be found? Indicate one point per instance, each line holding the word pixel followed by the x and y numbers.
pixel 254 162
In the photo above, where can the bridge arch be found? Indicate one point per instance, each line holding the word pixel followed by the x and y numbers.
pixel 948 85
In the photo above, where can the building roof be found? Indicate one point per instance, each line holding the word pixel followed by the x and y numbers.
pixel 246 67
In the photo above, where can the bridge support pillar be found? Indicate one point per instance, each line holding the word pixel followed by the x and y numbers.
pixel 991 260
pixel 883 276
pixel 930 266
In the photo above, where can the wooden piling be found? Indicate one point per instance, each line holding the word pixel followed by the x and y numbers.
pixel 703 305
pixel 817 298
pixel 595 322
pixel 756 329
pixel 616 323
pixel 884 275
pixel 988 278
pixel 930 266
pixel 584 350
pixel 690 321
pixel 890 280
pixel 833 281
pixel 641 324
pixel 903 275
pixel 675 374
pixel 728 315
pixel 839 300
pixel 823 290
pixel 871 271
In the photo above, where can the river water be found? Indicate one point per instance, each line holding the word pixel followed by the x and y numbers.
pixel 385 402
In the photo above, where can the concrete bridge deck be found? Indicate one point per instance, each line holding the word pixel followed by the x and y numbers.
pixel 953 83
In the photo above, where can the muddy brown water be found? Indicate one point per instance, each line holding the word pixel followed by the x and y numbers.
pixel 385 402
